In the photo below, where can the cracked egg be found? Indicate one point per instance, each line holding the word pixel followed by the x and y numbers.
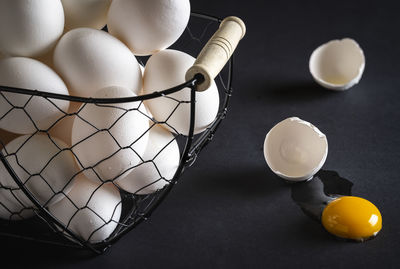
pixel 295 149
pixel 337 64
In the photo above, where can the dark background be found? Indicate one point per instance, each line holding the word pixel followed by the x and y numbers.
pixel 229 210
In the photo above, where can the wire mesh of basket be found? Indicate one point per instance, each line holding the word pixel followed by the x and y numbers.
pixel 30 184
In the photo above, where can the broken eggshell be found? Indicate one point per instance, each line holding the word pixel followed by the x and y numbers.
pixel 338 64
pixel 295 149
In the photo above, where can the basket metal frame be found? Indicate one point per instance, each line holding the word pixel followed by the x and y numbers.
pixel 191 150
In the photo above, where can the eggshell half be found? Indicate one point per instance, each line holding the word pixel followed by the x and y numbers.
pixel 30 28
pixel 109 139
pixel 90 210
pixel 89 60
pixel 17 110
pixel 167 69
pixel 295 149
pixel 338 64
pixel 85 13
pixel 44 165
pixel 148 26
pixel 161 160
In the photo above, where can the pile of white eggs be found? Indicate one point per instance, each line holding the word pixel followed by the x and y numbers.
pixel 73 157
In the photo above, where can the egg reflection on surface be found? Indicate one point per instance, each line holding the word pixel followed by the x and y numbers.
pixel 352 218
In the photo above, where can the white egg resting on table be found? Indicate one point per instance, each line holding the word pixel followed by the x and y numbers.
pixel 27 73
pixel 167 69
pixel 30 28
pixel 90 210
pixel 161 160
pixel 148 26
pixel 44 165
pixel 115 139
pixel 85 13
pixel 90 59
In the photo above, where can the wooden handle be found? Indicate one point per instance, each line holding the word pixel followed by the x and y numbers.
pixel 217 51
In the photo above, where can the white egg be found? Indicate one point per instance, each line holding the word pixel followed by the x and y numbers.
pixel 90 59
pixel 338 64
pixel 44 165
pixel 109 139
pixel 23 114
pixel 63 128
pixel 167 69
pixel 90 210
pixel 30 28
pixel 161 160
pixel 85 13
pixel 148 26
pixel 295 149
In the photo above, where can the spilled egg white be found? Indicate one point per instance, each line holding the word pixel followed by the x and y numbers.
pixel 115 139
pixel 148 26
pixel 161 160
pixel 85 13
pixel 90 59
pixel 90 210
pixel 30 28
pixel 167 69
pixel 43 164
pixel 338 64
pixel 27 73
pixel 295 149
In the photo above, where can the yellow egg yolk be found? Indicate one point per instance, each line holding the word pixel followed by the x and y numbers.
pixel 352 217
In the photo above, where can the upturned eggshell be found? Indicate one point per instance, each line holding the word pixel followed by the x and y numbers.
pixel 85 13
pixel 43 164
pixel 89 60
pixel 161 160
pixel 17 110
pixel 295 149
pixel 115 138
pixel 90 210
pixel 148 26
pixel 167 69
pixel 30 27
pixel 338 64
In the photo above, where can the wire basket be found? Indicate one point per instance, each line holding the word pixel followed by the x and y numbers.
pixel 27 209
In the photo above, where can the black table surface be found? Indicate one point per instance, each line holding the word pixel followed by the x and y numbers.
pixel 229 210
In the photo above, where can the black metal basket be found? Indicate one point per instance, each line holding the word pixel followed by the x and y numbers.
pixel 135 207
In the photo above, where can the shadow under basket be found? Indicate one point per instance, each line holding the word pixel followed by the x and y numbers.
pixel 29 216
